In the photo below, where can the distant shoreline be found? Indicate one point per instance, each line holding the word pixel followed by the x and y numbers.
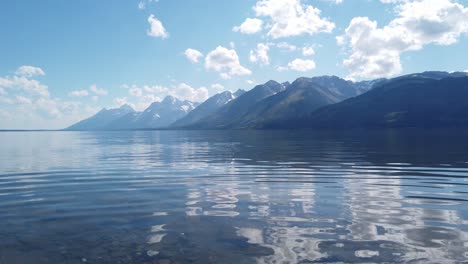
pixel 318 130
pixel 30 130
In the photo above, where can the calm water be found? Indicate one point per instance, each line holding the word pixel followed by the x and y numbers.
pixel 233 197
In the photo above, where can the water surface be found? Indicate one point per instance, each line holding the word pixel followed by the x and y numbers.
pixel 233 197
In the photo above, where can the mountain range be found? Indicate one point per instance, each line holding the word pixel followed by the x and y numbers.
pixel 405 102
pixel 102 119
pixel 157 115
pixel 210 106
pixel 427 99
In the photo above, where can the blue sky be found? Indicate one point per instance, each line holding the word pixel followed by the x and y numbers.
pixel 62 61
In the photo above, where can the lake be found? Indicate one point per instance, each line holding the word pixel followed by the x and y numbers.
pixel 233 197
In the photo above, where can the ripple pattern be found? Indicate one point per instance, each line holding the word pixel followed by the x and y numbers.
pixel 233 197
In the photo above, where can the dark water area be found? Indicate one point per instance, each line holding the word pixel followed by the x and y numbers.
pixel 234 197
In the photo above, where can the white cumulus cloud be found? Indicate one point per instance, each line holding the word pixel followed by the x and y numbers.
pixel 308 51
pixel 392 1
pixel 225 62
pixel 186 92
pixel 375 51
pixel 23 100
pixel 32 106
pixel 29 71
pixel 22 81
pixel 193 55
pixel 24 84
pixel 154 89
pixel 286 46
pixel 260 54
pixel 301 65
pixel 143 96
pixel 249 26
pixel 156 28
pixel 99 91
pixel 292 18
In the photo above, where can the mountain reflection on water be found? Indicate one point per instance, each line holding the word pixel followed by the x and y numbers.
pixel 233 197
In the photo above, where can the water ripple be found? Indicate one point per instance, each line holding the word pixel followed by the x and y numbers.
pixel 232 197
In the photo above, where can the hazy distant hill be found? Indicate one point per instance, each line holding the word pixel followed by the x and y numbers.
pixel 102 119
pixel 157 115
pixel 207 108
